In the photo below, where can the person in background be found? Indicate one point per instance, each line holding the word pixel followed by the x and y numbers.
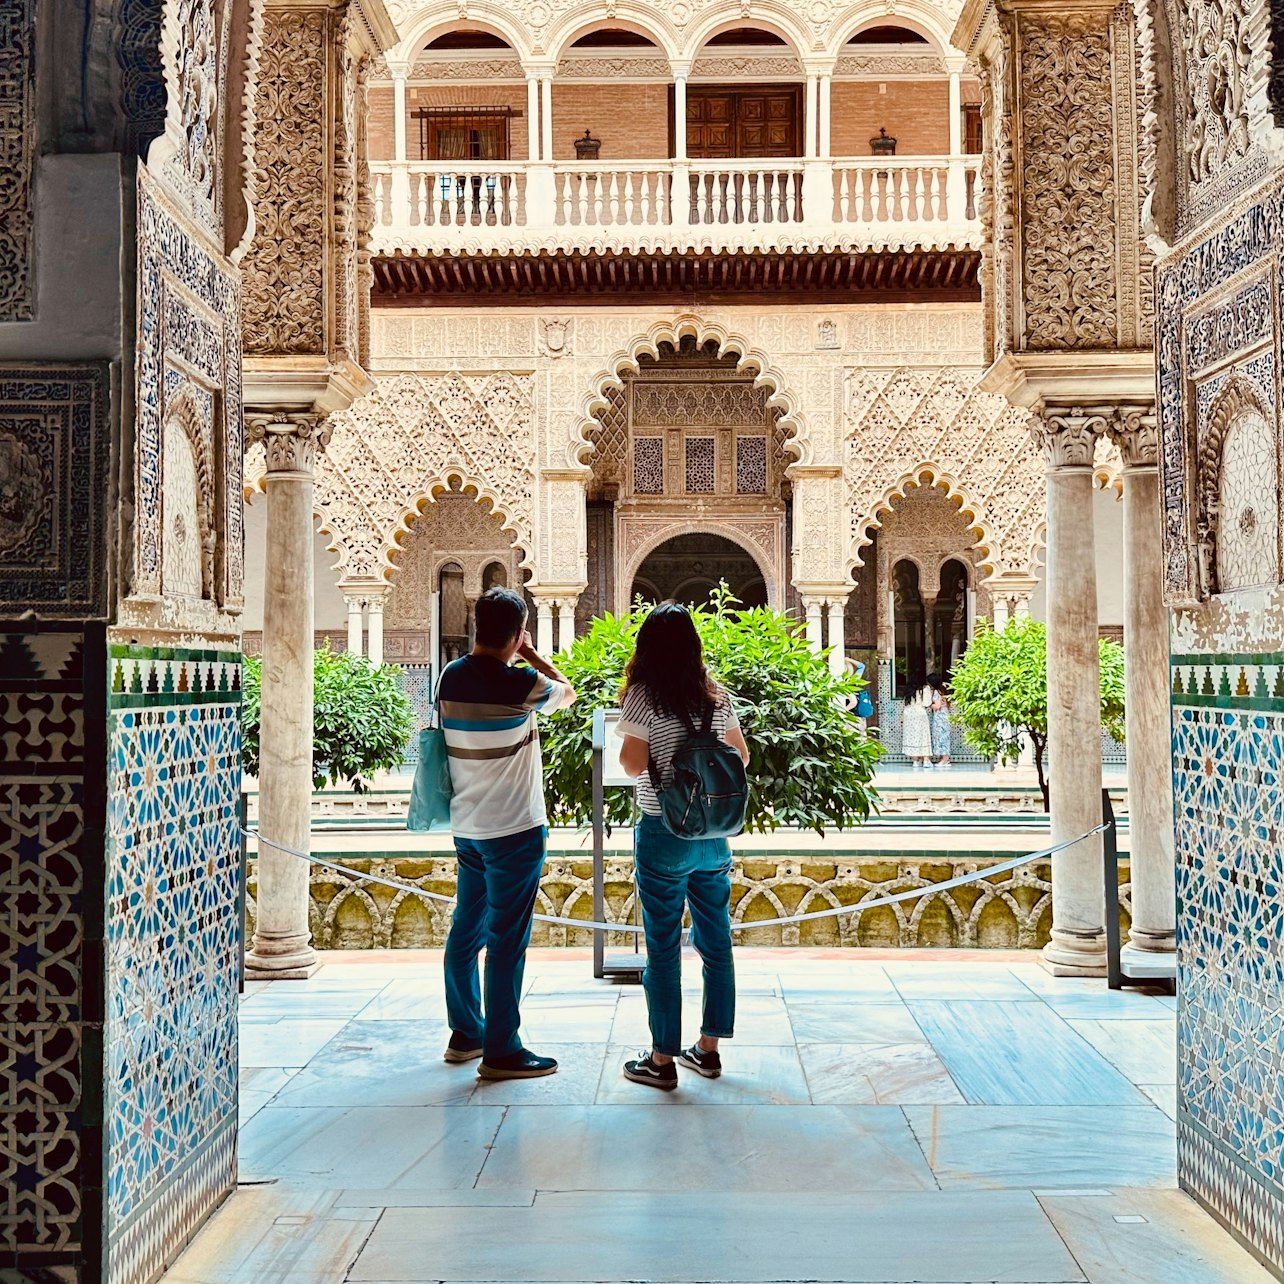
pixel 667 678
pixel 939 716
pixel 916 727
pixel 500 826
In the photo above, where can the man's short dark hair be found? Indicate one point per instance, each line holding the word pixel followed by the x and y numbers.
pixel 501 616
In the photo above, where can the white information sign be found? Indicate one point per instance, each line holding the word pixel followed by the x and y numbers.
pixel 612 772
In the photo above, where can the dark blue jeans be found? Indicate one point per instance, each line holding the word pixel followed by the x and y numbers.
pixel 673 873
pixel 495 897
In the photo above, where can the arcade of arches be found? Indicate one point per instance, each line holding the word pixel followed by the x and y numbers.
pixel 895 321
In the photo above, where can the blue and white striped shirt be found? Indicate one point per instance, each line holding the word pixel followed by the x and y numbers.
pixel 488 713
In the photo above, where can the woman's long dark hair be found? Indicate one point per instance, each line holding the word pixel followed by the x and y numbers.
pixel 669 663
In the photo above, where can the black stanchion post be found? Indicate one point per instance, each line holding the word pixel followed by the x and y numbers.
pixel 1110 868
pixel 599 844
pixel 241 891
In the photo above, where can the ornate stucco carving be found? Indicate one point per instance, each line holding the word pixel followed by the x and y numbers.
pixel 398 444
pixel 284 269
pixel 291 443
pixel 1067 435
pixel 17 159
pixel 906 427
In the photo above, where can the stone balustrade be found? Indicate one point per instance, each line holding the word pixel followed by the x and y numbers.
pixel 911 202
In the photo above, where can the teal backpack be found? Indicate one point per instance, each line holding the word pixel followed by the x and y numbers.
pixel 709 793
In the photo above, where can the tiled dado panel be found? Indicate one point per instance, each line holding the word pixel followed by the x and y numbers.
pixel 172 932
pixel 1228 776
pixel 51 819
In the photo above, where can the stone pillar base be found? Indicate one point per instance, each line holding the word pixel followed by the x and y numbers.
pixel 1074 956
pixel 282 967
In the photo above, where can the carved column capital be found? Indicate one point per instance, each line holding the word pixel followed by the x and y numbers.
pixel 1068 435
pixel 1136 432
pixel 291 442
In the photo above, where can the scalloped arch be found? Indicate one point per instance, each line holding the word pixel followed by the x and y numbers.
pixel 930 474
pixel 797 439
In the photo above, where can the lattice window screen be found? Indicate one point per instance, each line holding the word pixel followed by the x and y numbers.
pixel 700 465
pixel 648 466
pixel 751 465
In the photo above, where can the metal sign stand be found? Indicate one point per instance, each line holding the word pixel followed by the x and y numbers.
pixel 627 964
pixel 1162 970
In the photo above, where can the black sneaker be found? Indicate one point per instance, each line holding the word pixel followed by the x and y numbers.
pixel 696 1058
pixel 645 1070
pixel 461 1049
pixel 518 1065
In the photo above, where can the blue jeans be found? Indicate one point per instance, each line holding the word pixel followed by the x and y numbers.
pixel 673 872
pixel 496 887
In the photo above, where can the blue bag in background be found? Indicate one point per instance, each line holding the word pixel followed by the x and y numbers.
pixel 431 793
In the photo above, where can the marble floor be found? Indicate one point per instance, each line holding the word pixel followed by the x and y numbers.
pixel 882 1118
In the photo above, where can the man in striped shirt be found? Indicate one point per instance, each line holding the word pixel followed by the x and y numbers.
pixel 500 826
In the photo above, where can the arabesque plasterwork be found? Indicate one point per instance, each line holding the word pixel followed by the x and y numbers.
pixel 17 159
pixel 906 427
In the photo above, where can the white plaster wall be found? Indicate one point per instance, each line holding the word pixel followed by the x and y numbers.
pixel 79 215
pixel 331 610
pixel 1107 518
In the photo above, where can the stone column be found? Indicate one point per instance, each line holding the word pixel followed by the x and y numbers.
pixel 826 115
pixel 374 629
pixel 544 625
pixel 1068 437
pixel 399 113
pixel 356 606
pixel 810 104
pixel 956 111
pixel 281 947
pixel 815 623
pixel 565 623
pixel 532 117
pixel 1150 784
pixel 679 117
pixel 546 116
pixel 837 637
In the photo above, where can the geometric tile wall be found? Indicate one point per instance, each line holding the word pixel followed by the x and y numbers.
pixel 51 817
pixel 172 947
pixel 1228 777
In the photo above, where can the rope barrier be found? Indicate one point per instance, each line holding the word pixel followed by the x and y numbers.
pixel 960 880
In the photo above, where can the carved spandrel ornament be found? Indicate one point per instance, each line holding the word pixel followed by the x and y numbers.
pixel 291 443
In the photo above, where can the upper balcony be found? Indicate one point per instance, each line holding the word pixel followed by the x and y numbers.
pixel 474 147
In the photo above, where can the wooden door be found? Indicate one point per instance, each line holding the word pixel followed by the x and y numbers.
pixel 727 124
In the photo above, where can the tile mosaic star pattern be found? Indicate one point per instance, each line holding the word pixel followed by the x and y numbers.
pixel 1228 747
pixel 172 946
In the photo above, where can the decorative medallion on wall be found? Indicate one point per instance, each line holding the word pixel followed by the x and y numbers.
pixel 555 337
pixel 55 447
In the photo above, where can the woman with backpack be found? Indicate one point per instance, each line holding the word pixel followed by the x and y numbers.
pixel 681 740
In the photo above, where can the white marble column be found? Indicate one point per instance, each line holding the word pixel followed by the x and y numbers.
pixel 1078 944
pixel 837 639
pixel 956 113
pixel 814 607
pixel 282 942
pixel 826 116
pixel 544 625
pixel 679 118
pixel 565 623
pixel 546 116
pixel 374 629
pixel 399 114
pixel 810 104
pixel 1150 786
pixel 356 629
pixel 532 117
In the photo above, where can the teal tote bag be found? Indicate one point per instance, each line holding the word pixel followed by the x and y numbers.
pixel 432 790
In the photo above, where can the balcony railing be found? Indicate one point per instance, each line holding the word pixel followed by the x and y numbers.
pixel 477 208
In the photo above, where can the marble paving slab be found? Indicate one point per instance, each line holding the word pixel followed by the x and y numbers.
pixel 740 1148
pixel 367 1147
pixel 760 1019
pixel 1012 1054
pixel 410 999
pixel 1177 1243
pixel 721 1237
pixel 272 1235
pixel 382 1063
pixel 946 983
pixel 1047 1147
pixel 1144 1051
pixel 752 1075
pixel 258 1085
pixel 895 1074
pixel 1164 1095
pixel 576 1082
pixel 854 1023
pixel 285 1043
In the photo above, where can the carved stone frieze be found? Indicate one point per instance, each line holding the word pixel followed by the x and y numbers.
pixel 464 68
pixel 873 66
pixel 602 66
pixel 291 443
pixel 1217 50
pixel 409 438
pixel 194 60
pixel 17 159
pixel 284 268
pixel 906 427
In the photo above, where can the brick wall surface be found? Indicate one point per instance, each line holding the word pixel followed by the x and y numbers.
pixel 633 120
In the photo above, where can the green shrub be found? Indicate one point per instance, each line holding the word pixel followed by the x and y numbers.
pixel 810 763
pixel 999 691
pixel 361 724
